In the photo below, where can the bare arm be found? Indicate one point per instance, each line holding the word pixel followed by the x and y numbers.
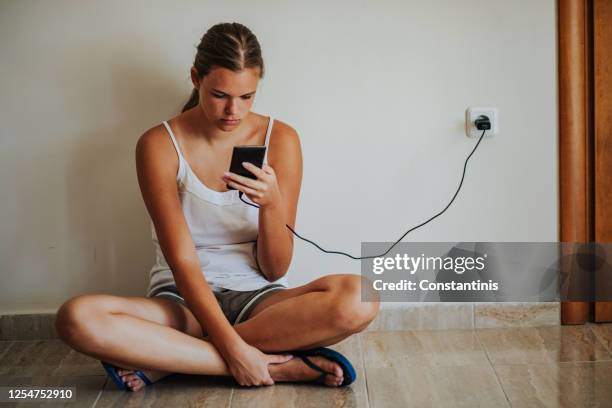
pixel 157 166
pixel 275 240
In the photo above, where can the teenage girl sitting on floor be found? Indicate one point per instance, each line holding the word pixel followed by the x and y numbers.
pixel 218 300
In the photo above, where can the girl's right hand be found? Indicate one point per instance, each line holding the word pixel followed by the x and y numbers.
pixel 249 366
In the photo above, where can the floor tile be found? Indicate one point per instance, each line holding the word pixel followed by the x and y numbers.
pixel 581 384
pixel 525 314
pixel 539 345
pixel 31 358
pixel 75 363
pixel 299 395
pixel 415 386
pixel 603 333
pixel 178 390
pixel 432 348
pixel 565 366
pixel 4 345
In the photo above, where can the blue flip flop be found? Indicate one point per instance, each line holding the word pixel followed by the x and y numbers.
pixel 112 373
pixel 347 368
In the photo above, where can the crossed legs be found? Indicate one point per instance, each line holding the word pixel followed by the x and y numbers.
pixel 157 334
pixel 320 313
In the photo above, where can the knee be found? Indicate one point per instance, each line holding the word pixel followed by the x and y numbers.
pixel 77 322
pixel 349 312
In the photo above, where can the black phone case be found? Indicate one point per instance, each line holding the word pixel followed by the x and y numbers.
pixel 252 154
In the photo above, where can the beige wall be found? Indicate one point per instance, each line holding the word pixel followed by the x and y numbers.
pixel 387 80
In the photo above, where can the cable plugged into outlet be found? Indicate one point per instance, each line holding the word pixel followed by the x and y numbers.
pixel 479 119
pixel 483 123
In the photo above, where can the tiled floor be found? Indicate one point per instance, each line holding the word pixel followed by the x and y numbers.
pixel 567 366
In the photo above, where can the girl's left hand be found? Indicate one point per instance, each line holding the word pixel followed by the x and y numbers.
pixel 263 191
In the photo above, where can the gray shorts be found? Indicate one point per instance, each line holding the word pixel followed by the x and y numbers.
pixel 236 305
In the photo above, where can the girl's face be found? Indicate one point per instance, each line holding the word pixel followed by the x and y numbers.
pixel 226 96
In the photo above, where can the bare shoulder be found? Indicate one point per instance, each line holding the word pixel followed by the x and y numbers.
pixel 284 138
pixel 157 162
pixel 155 144
pixel 285 156
pixel 285 129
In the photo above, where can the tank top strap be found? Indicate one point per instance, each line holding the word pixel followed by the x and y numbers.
pixel 176 146
pixel 267 142
pixel 183 165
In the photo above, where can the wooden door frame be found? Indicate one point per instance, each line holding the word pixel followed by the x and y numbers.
pixel 575 159
pixel 584 42
pixel 602 146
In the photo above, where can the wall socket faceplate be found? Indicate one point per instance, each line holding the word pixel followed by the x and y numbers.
pixel 472 113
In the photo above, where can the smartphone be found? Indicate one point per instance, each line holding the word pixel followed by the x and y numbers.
pixel 247 153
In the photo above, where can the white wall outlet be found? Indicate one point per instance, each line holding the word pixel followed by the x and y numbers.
pixel 472 113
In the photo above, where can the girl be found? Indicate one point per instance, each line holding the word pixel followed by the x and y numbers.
pixel 218 302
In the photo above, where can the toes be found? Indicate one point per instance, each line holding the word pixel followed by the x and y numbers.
pixel 338 370
pixel 131 380
pixel 138 386
pixel 332 380
pixel 331 367
pixel 334 373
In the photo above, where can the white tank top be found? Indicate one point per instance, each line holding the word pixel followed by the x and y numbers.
pixel 224 231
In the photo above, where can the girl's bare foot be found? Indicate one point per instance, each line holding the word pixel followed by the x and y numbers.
pixel 297 370
pixel 134 382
